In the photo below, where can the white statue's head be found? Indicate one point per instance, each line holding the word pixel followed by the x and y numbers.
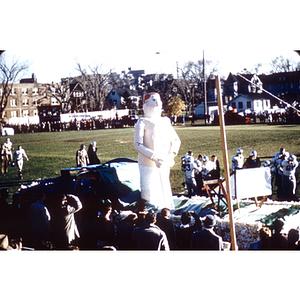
pixel 152 105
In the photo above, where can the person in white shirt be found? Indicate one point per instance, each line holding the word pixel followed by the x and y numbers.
pixel 18 157
pixel 289 182
pixel 237 161
pixel 190 169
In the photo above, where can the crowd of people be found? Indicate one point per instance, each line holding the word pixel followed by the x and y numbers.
pixel 65 227
pixel 283 166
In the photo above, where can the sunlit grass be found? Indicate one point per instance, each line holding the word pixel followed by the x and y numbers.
pixel 49 152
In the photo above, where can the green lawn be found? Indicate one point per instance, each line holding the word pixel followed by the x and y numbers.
pixel 48 152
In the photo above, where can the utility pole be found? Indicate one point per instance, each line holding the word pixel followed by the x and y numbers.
pixel 204 90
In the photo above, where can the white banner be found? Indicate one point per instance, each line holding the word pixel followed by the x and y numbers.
pixel 252 182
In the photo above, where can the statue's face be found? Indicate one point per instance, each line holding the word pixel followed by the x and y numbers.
pixel 152 105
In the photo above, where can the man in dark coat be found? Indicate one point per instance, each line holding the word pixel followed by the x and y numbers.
pixel 92 153
pixel 150 236
pixel 207 239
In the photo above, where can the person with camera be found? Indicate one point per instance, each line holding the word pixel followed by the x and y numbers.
pixel 64 228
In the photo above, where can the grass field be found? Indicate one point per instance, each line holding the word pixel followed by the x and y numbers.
pixel 48 152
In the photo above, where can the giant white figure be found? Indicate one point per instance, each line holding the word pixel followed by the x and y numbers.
pixel 157 143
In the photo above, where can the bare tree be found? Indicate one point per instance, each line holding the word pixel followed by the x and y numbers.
pixel 9 74
pixel 191 81
pixel 281 64
pixel 61 92
pixel 95 86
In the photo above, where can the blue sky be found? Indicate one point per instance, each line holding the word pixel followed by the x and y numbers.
pixel 118 34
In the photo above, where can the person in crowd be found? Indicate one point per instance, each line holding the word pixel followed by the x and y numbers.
pixel 276 161
pixel 150 236
pixel 18 157
pixel 8 148
pixel 165 224
pixel 198 175
pixel 293 238
pixel 263 242
pixel 207 167
pixel 4 242
pixel 92 154
pixel 125 229
pixel 104 227
pixel 289 182
pixel 63 223
pixel 237 160
pixel 207 239
pixel 40 223
pixel 4 160
pixel 278 241
pixel 183 162
pixel 190 169
pixel 215 172
pixel 190 222
pixel 82 158
pixel 252 161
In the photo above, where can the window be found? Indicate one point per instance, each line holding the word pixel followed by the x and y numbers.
pixel 1 92
pixel 35 102
pixel 25 102
pixel 233 105
pixel 25 113
pixel 248 104
pixel 13 91
pixel 13 102
pixel 13 114
pixel 35 112
pixel 24 91
pixel 240 105
pixel 35 91
pixel 54 101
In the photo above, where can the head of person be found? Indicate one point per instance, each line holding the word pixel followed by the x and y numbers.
pixel 239 151
pixel 19 147
pixel 150 218
pixel 93 143
pixel 293 235
pixel 82 146
pixel 277 226
pixel 190 153
pixel 152 105
pixel 213 158
pixel 165 213
pixel 186 217
pixel 253 154
pixel 205 159
pixel 200 157
pixel 209 221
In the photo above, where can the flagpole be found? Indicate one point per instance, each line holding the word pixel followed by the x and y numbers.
pixel 226 164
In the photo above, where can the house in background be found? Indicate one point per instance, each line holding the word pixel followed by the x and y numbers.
pixel 123 98
pixel 253 102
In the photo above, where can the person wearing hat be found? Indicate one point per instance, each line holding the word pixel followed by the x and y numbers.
pixel 207 239
pixel 237 160
pixel 252 161
pixel 92 153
